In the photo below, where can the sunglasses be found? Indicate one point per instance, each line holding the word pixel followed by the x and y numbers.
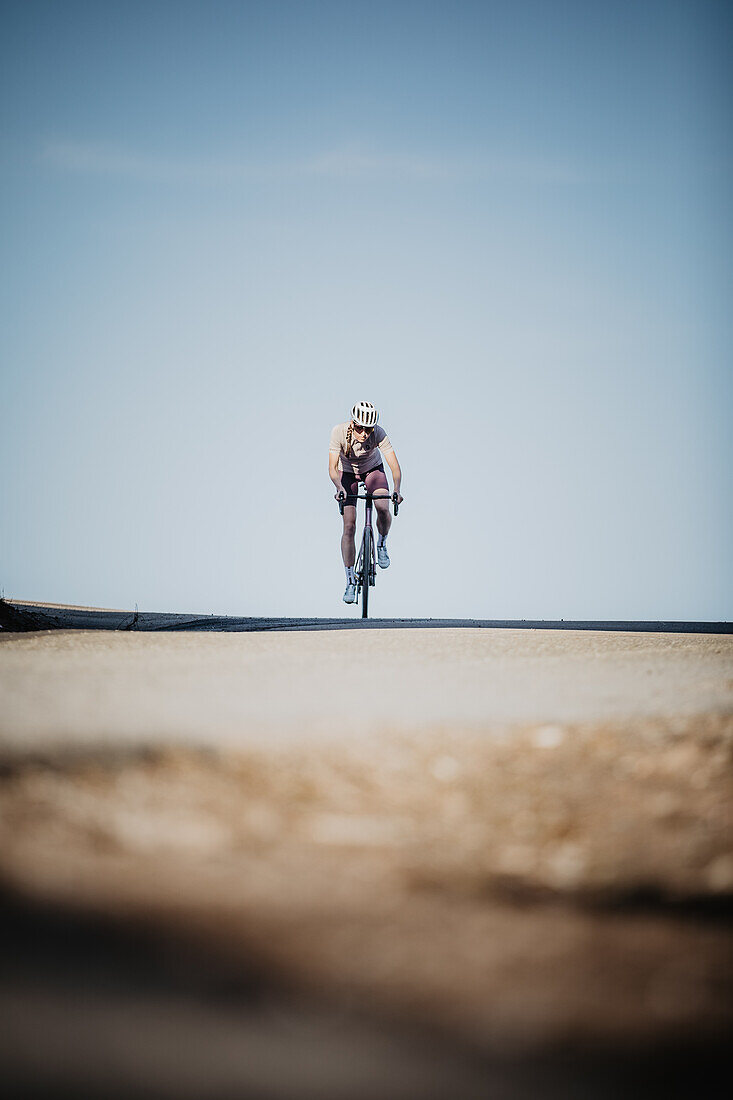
pixel 361 428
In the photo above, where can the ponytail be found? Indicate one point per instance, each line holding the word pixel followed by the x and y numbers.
pixel 350 434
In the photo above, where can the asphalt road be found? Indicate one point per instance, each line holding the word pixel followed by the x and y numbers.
pixel 408 863
pixel 66 689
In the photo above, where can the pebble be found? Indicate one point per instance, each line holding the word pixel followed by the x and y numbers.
pixel 445 769
pixel 680 760
pixel 566 864
pixel 155 831
pixel 548 737
pixel 719 873
pixel 516 859
pixel 665 804
pixel 344 830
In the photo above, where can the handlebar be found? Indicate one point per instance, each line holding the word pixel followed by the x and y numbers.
pixel 341 498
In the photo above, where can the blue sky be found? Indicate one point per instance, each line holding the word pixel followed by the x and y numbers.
pixel 504 224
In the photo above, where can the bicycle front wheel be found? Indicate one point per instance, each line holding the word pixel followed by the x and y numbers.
pixel 366 571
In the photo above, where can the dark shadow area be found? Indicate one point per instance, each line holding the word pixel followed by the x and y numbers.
pixel 101 1006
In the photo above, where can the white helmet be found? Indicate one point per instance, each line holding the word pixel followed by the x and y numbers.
pixel 364 414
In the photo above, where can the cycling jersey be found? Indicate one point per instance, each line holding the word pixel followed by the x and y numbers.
pixel 364 456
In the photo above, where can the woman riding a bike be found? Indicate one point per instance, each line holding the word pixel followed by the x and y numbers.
pixel 355 456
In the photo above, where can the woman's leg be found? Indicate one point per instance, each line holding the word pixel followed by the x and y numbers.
pixel 384 517
pixel 376 482
pixel 350 486
pixel 348 540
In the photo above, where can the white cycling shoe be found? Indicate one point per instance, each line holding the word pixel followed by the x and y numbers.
pixel 350 593
pixel 382 557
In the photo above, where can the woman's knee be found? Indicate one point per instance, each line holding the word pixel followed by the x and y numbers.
pixel 349 527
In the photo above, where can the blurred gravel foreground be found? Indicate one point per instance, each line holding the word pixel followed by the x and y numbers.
pixel 399 864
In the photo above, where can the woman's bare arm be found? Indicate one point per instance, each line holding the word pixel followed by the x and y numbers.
pixel 391 460
pixel 333 470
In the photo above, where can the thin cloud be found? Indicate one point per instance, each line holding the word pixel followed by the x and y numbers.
pixel 347 163
pixel 103 160
pixel 355 164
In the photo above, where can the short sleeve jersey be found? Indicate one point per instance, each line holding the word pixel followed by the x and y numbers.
pixel 364 456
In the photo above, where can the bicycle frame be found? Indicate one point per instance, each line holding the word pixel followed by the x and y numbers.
pixel 366 572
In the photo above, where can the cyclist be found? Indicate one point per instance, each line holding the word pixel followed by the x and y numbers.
pixel 355 455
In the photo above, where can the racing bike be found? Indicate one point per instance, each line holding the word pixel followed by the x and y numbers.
pixel 366 562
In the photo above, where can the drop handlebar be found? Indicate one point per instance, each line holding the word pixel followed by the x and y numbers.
pixel 341 498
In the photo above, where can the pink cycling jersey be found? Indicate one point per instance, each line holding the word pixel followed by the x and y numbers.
pixel 364 456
